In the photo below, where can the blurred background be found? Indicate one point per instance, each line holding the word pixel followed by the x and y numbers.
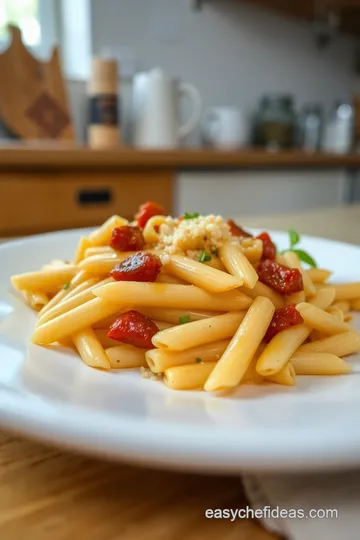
pixel 236 107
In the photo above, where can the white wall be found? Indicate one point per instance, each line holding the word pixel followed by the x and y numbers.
pixel 233 52
pixel 258 192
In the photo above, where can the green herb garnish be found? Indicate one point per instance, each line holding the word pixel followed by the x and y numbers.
pixel 215 252
pixel 184 319
pixel 205 257
pixel 191 216
pixel 66 286
pixel 198 360
pixel 294 239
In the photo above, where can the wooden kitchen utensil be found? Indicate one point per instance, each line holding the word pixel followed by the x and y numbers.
pixel 33 101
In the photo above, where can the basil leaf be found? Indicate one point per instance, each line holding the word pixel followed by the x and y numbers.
pixel 305 257
pixel 184 319
pixel 294 237
pixel 191 216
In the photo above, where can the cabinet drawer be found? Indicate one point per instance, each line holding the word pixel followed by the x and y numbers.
pixel 31 203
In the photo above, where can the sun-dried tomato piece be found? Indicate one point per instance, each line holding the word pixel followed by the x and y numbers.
pixel 279 277
pixel 127 238
pixel 147 211
pixel 269 248
pixel 282 319
pixel 142 266
pixel 133 328
pixel 235 230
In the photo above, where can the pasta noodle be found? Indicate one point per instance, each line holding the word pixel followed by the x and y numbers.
pixel 193 334
pixel 237 357
pixel 173 296
pixel 198 315
pixel 238 265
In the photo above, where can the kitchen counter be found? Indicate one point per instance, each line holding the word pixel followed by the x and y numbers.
pixel 69 157
pixel 47 492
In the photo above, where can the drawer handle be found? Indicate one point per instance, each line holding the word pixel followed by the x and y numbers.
pixel 87 197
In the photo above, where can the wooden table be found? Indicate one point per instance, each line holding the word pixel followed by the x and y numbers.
pixel 48 493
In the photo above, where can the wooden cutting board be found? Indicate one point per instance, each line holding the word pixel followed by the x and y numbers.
pixel 33 100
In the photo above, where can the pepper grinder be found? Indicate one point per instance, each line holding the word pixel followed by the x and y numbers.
pixel 103 128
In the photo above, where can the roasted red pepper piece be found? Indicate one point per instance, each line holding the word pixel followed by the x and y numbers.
pixel 147 211
pixel 235 230
pixel 127 238
pixel 282 319
pixel 141 266
pixel 133 328
pixel 269 248
pixel 279 277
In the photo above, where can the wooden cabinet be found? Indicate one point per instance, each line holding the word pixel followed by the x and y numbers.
pixel 38 202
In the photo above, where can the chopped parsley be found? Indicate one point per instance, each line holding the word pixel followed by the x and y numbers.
pixel 215 252
pixel 184 319
pixel 66 286
pixel 205 257
pixel 191 216
pixel 198 360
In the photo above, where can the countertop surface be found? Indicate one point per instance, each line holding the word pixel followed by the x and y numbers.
pixel 21 156
pixel 49 493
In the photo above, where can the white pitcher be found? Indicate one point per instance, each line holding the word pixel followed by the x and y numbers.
pixel 156 104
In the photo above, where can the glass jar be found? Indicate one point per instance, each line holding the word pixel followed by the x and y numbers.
pixel 310 122
pixel 275 122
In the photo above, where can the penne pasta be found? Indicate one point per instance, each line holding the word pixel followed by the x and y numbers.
pixel 195 295
pixel 102 336
pixel 175 316
pixel 261 289
pixel 237 357
pixel 318 363
pixel 90 349
pixel 295 298
pixel 83 244
pixel 238 265
pixel 173 296
pixel 82 287
pixel 280 349
pixel 286 376
pixel 207 278
pixel 125 356
pixel 193 334
pixel 72 321
pixel 293 261
pixel 44 280
pixel 347 291
pixel 103 264
pixel 343 305
pixel 318 275
pixel 339 344
pixel 320 320
pixel 99 250
pixel 159 360
pixel 166 278
pixel 102 235
pixel 336 313
pixel 189 377
pixel 215 263
pixel 79 278
pixel 36 299
pixel 323 298
pixel 70 303
pixel 355 304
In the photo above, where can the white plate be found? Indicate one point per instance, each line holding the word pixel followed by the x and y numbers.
pixel 53 396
